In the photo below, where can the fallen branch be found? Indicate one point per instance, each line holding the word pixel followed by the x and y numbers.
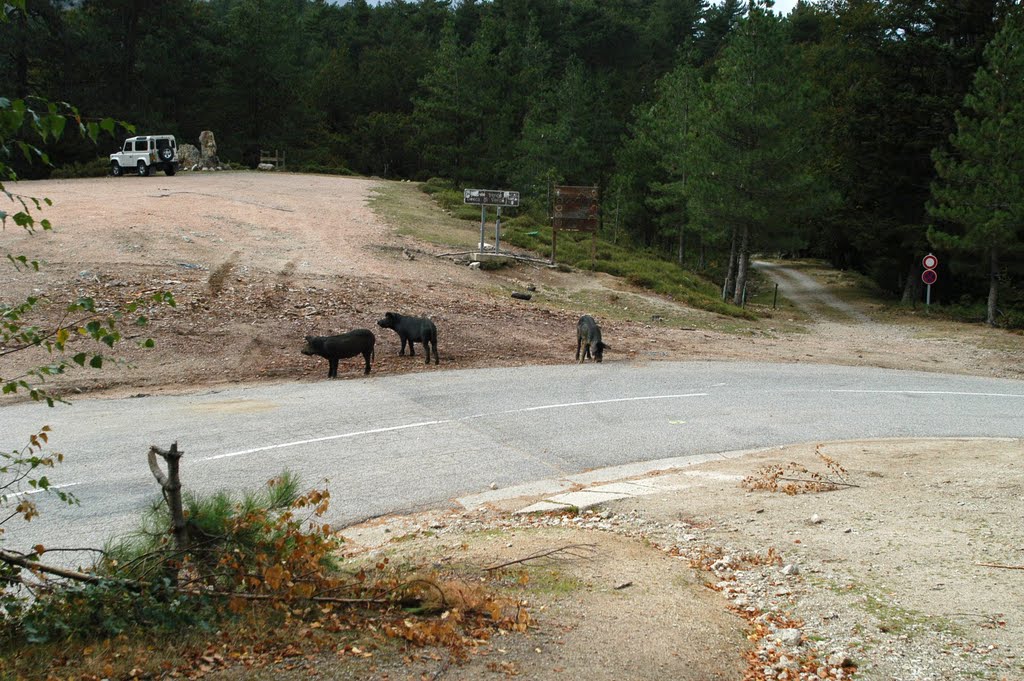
pixel 278 597
pixel 1003 567
pixel 23 562
pixel 544 554
pixel 820 482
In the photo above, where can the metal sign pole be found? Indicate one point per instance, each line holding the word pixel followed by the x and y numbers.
pixel 483 224
pixel 497 232
pixel 928 296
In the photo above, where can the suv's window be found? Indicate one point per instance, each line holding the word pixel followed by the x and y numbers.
pixel 127 145
pixel 162 143
pixel 141 145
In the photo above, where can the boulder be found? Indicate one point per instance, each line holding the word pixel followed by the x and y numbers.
pixel 208 145
pixel 188 156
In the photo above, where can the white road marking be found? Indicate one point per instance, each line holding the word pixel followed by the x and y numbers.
pixel 581 404
pixel 324 439
pixel 423 424
pixel 27 492
pixel 925 392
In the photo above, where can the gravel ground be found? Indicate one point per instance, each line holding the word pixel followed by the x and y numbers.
pixel 910 573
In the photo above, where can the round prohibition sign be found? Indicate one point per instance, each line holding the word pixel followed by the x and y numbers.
pixel 930 262
pixel 929 277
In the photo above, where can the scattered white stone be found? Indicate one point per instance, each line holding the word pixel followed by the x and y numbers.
pixel 791 569
pixel 493 485
pixel 816 519
pixel 790 637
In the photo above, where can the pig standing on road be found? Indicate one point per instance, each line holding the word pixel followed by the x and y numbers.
pixel 588 334
pixel 412 330
pixel 333 348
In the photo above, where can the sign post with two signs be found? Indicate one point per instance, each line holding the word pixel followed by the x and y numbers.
pixel 490 197
pixel 929 276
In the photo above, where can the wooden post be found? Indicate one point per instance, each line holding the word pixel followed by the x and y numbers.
pixel 170 484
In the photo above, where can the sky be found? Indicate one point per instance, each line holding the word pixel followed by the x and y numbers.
pixel 783 7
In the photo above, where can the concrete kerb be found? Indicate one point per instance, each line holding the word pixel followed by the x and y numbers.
pixel 592 488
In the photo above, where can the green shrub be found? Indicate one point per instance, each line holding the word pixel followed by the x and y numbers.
pixel 1012 319
pixel 97 167
pixel 106 609
pixel 435 185
pixel 319 169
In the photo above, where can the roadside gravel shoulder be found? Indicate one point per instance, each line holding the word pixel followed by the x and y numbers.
pixel 903 575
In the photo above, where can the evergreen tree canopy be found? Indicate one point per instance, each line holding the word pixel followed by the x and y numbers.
pixel 980 186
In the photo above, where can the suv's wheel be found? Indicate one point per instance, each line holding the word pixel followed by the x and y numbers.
pixel 143 169
pixel 115 169
pixel 166 154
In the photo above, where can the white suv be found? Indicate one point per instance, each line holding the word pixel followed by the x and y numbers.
pixel 144 153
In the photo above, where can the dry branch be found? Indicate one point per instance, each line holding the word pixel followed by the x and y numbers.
pixel 569 549
pixel 1003 567
pixel 824 481
pixel 33 566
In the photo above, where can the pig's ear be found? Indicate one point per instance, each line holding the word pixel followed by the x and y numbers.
pixel 604 346
pixel 309 338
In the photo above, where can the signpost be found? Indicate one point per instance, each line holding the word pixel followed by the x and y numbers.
pixel 929 276
pixel 490 197
pixel 576 209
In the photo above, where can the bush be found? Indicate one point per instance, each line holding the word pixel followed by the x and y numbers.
pixel 97 167
pixel 107 609
pixel 435 185
pixel 1012 319
pixel 319 169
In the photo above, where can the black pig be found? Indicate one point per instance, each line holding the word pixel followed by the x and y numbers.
pixel 333 348
pixel 412 330
pixel 588 334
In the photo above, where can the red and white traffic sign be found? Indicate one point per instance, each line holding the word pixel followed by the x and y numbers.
pixel 929 277
pixel 930 262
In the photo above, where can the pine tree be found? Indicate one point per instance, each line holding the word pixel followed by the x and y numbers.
pixel 980 186
pixel 755 150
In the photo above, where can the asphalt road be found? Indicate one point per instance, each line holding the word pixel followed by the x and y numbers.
pixel 399 443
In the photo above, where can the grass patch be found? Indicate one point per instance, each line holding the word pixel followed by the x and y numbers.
pixel 891 618
pixel 551 582
pixel 434 212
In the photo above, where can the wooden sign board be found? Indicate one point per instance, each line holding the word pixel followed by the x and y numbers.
pixel 575 209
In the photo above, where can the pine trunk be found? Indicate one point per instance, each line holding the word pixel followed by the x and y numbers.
pixel 912 286
pixel 744 263
pixel 730 273
pixel 993 288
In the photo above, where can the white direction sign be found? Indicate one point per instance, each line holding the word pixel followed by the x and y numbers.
pixel 490 197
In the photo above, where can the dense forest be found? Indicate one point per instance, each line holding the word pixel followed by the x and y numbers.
pixel 866 132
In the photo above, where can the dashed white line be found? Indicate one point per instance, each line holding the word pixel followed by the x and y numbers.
pixel 423 424
pixel 25 493
pixel 341 436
